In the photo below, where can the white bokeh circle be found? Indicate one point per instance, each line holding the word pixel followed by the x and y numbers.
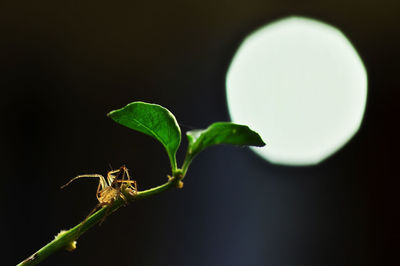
pixel 301 84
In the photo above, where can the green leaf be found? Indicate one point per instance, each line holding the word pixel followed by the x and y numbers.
pixel 153 120
pixel 222 133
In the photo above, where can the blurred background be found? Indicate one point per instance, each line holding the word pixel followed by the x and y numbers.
pixel 64 65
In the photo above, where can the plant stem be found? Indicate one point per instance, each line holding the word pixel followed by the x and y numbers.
pixel 186 162
pixel 66 239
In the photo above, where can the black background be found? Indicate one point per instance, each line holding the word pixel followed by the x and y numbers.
pixel 65 64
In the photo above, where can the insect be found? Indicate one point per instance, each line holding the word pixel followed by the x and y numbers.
pixel 112 188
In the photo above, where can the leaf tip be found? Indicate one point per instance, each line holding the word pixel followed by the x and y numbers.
pixel 109 114
pixel 261 142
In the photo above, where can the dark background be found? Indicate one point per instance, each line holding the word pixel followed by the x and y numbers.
pixel 64 65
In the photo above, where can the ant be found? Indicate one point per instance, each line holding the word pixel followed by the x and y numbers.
pixel 111 189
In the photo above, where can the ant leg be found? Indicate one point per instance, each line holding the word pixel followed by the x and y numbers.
pixel 107 211
pixel 98 192
pixel 124 171
pixel 134 187
pixel 124 198
pixel 98 206
pixel 102 183
pixel 115 174
pixel 111 176
pixel 126 181
pixel 128 178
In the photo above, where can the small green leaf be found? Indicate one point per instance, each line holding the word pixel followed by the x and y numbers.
pixel 222 133
pixel 153 120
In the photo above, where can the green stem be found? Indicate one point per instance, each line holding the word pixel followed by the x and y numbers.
pixel 66 239
pixel 186 162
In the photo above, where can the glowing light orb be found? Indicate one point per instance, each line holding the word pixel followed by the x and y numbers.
pixel 302 85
